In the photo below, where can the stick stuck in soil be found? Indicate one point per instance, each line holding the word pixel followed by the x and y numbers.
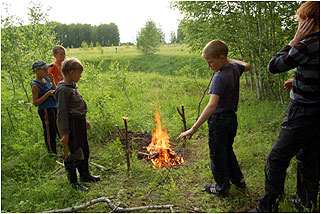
pixel 126 140
pixel 182 114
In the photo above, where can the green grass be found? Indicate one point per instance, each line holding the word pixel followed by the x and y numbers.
pixel 113 90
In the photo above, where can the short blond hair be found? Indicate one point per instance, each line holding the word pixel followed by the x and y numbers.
pixel 56 48
pixel 71 64
pixel 215 49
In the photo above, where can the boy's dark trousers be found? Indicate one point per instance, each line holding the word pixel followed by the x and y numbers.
pixel 48 117
pixel 222 129
pixel 78 139
pixel 300 136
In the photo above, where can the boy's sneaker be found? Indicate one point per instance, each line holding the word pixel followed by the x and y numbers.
pixel 297 203
pixel 79 187
pixel 254 210
pixel 241 185
pixel 300 207
pixel 213 189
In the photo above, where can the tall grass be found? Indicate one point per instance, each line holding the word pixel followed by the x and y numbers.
pixel 113 90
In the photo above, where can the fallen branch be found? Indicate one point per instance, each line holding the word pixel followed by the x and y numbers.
pixel 56 170
pixel 190 209
pixel 134 209
pixel 61 164
pixel 98 166
pixel 111 206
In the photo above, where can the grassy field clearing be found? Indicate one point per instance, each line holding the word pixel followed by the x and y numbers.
pixel 113 88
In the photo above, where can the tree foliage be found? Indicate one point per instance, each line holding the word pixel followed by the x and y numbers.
pixel 177 37
pixel 21 45
pixel 254 31
pixel 73 35
pixel 149 38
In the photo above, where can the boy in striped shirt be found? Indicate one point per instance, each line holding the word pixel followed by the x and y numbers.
pixel 300 129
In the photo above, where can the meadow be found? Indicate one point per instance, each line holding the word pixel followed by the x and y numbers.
pixel 123 82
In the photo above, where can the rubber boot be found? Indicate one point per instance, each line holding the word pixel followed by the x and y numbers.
pixel 72 177
pixel 85 176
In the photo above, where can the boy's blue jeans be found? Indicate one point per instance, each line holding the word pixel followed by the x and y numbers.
pixel 222 129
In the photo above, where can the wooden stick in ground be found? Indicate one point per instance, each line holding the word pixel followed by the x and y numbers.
pixel 126 141
pixel 182 114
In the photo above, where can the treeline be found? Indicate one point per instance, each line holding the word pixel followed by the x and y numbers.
pixel 178 36
pixel 253 30
pixel 73 35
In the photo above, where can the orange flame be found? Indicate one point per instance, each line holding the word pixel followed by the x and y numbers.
pixel 160 148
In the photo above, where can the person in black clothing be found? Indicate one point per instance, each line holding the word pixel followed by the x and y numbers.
pixel 221 117
pixel 72 110
pixel 300 129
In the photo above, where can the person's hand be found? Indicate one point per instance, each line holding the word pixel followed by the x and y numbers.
pixel 288 84
pixel 50 92
pixel 304 29
pixel 189 133
pixel 88 126
pixel 65 138
pixel 51 78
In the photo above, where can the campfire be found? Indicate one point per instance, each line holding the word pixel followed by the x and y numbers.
pixel 162 155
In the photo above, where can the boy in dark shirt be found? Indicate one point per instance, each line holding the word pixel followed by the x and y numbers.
pixel 72 111
pixel 222 120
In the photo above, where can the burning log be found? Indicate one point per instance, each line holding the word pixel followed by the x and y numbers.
pixel 152 156
pixel 162 156
pixel 147 156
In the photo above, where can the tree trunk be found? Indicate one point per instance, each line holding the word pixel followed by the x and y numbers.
pixel 272 33
pixel 12 83
pixel 280 88
pixel 242 58
pixel 259 22
pixel 23 87
pixel 258 92
pixel 247 16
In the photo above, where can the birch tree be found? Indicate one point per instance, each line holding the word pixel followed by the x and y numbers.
pixel 254 32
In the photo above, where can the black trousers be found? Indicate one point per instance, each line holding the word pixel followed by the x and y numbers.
pixel 48 117
pixel 77 139
pixel 300 136
pixel 222 129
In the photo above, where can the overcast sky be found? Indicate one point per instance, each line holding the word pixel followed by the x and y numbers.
pixel 129 15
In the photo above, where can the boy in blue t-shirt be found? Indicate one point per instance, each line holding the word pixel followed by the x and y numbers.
pixel 42 95
pixel 222 120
